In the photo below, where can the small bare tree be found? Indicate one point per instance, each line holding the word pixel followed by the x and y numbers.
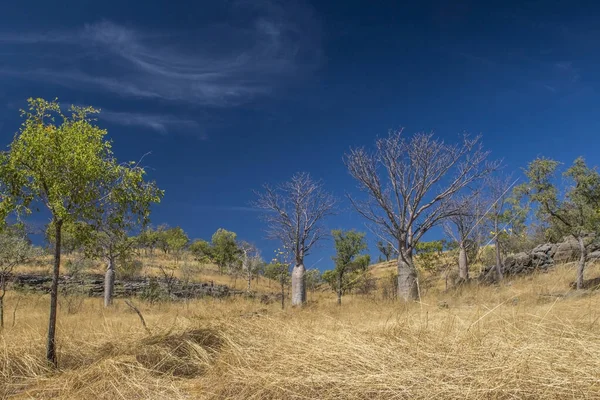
pixel 295 211
pixel 251 260
pixel 420 178
pixel 465 228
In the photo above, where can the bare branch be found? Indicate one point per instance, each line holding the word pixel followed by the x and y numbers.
pixel 294 213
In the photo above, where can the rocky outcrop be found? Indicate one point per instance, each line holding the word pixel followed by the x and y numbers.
pixel 543 257
pixel 93 286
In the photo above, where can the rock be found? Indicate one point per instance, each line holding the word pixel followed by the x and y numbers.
pixel 567 250
pixel 93 286
pixel 593 256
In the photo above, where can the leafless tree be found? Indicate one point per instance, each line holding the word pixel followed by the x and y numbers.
pixel 465 228
pixel 251 260
pixel 501 214
pixel 295 212
pixel 420 176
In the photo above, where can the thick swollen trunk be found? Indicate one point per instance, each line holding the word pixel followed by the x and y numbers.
pixel 581 266
pixel 51 343
pixel 109 283
pixel 407 277
pixel 339 290
pixel 463 265
pixel 298 285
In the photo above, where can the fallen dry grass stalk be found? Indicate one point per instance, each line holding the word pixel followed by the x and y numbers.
pixel 521 340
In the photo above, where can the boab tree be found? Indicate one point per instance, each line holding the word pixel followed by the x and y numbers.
pixel 465 227
pixel 295 211
pixel 421 175
pixel 577 213
pixel 62 161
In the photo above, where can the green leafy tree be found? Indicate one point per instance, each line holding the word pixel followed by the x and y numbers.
pixel 201 251
pixel 576 213
pixel 225 250
pixel 176 241
pixel 429 254
pixel 63 162
pixel 71 237
pixel 150 238
pixel 348 246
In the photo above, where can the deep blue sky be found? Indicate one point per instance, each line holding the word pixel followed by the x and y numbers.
pixel 228 95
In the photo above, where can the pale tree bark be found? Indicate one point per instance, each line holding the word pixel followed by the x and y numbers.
pixel 109 282
pixel 409 186
pixel 51 340
pixel 295 212
pixel 581 266
pixel 463 266
pixel 408 289
pixel 298 285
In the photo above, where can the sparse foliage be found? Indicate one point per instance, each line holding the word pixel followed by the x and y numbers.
pixel 63 162
pixel 577 212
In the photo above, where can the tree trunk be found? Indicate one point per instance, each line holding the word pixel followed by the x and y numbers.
pixel 249 280
pixel 282 291
pixel 407 277
pixel 109 283
pixel 3 289
pixel 581 266
pixel 51 344
pixel 499 273
pixel 298 285
pixel 463 265
pixel 339 290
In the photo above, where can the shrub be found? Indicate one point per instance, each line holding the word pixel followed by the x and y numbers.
pixel 129 268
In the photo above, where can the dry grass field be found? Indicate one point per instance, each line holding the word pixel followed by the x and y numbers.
pixel 530 338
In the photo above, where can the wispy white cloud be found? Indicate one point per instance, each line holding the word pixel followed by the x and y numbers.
pixel 162 124
pixel 219 65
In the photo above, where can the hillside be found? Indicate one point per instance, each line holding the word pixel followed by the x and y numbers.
pixel 528 338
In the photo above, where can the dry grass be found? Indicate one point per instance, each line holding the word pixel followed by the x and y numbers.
pixel 526 339
pixel 198 272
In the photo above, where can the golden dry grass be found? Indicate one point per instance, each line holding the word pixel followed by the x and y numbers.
pixel 205 272
pixel 530 338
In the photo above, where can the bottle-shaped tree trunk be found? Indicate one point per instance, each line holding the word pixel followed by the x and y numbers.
pixel 109 282
pixel 298 285
pixel 407 277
